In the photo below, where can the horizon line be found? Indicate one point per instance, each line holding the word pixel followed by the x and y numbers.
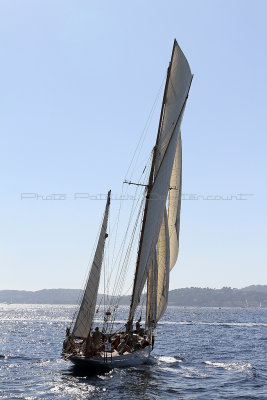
pixel 187 287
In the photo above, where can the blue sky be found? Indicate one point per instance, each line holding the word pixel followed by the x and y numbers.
pixel 77 82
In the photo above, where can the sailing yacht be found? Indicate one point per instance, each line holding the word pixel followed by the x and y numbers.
pixel 157 250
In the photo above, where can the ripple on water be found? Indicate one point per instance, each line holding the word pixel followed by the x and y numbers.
pixel 31 367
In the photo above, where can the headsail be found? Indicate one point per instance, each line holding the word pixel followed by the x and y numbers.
pixel 86 313
pixel 175 203
pixel 176 92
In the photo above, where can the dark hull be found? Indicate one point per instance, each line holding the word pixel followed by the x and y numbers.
pixel 138 357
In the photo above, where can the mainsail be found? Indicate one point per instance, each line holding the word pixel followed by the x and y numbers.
pixel 153 262
pixel 86 312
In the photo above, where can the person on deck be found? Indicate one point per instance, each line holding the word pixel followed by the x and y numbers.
pixel 96 340
pixel 123 346
pixel 138 326
pixel 68 343
pixel 129 326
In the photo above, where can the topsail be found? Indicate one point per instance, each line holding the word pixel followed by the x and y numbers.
pixel 86 313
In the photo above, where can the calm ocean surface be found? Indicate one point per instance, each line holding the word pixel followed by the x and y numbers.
pixel 200 353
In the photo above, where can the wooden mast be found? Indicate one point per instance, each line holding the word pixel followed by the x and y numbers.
pixel 151 177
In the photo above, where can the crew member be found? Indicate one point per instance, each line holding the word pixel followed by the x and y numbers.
pixel 96 340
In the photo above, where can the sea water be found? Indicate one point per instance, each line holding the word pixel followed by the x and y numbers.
pixel 200 353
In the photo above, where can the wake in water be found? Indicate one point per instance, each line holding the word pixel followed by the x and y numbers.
pixel 244 367
pixel 168 360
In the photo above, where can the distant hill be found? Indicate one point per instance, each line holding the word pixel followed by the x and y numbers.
pixel 251 296
pixel 255 288
pixel 45 296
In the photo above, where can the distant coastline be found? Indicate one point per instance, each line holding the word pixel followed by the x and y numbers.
pixel 252 296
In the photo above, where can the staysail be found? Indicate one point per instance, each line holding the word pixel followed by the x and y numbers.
pixel 86 312
pixel 176 92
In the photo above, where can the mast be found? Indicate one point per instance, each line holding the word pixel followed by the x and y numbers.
pixel 151 175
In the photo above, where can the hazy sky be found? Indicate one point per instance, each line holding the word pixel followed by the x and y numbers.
pixel 77 82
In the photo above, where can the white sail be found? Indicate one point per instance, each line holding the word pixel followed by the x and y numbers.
pixel 180 77
pixel 167 246
pixel 158 278
pixel 86 312
pixel 163 268
pixel 175 203
pixel 154 216
pixel 176 92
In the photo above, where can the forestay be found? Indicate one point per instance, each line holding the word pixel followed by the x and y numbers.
pixel 87 309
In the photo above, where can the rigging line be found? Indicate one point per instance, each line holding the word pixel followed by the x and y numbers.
pixel 116 224
pixel 139 180
pixel 126 261
pixel 123 189
pixel 131 217
pixel 137 159
pixel 145 166
pixel 119 256
pixel 117 220
pixel 122 196
pixel 116 299
pixel 144 132
pixel 103 297
pixel 128 290
pixel 118 288
pixel 128 255
pixel 121 273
